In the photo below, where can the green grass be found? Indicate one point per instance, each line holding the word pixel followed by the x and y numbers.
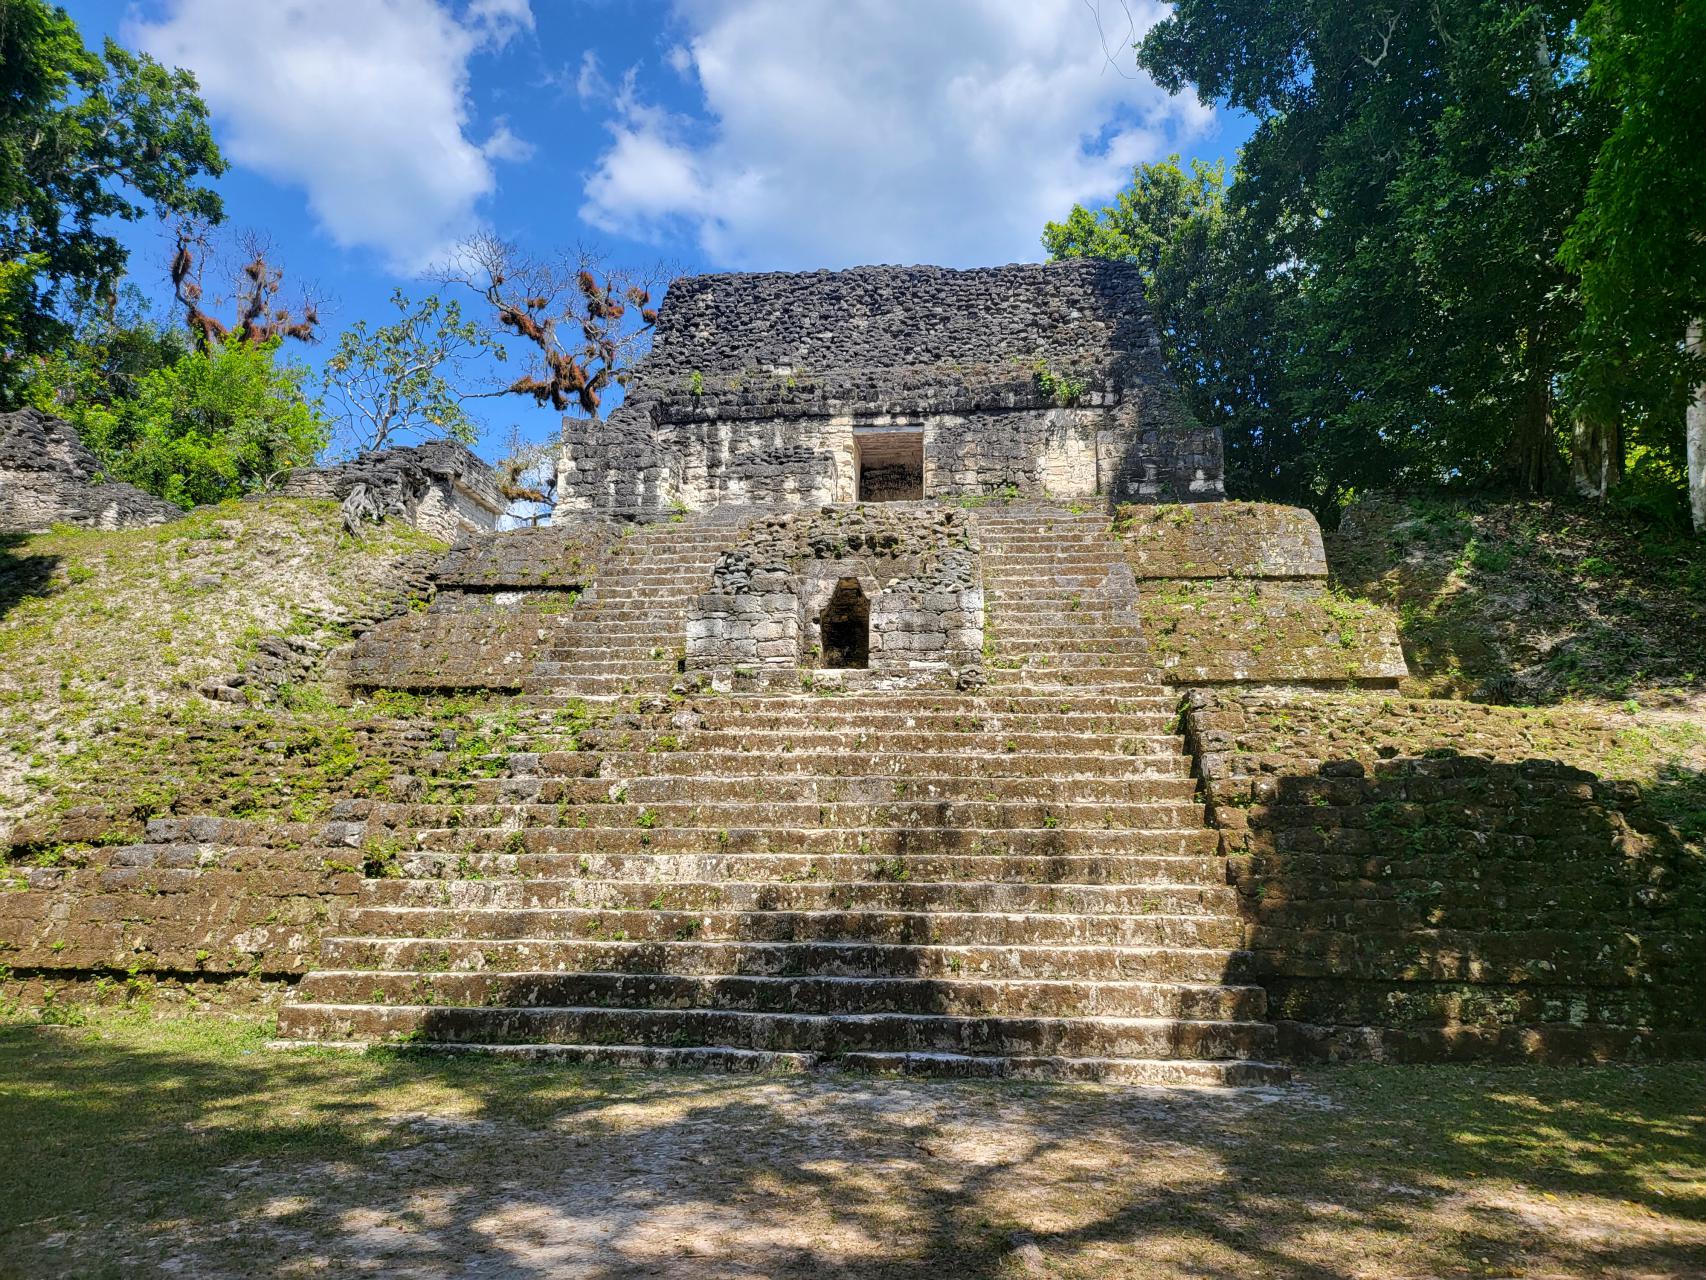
pixel 131 1142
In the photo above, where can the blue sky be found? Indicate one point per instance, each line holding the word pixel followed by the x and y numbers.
pixel 366 136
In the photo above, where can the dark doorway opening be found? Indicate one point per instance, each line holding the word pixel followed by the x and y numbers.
pixel 846 626
pixel 891 466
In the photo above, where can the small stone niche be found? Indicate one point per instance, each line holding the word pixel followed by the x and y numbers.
pixel 891 465
pixel 845 627
pixel 874 597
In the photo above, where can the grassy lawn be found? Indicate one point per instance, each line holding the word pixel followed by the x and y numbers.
pixel 143 1146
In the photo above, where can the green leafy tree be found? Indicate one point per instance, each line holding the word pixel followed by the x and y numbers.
pixel 1223 304
pixel 1639 242
pixel 112 348
pixel 199 429
pixel 401 378
pixel 1396 220
pixel 1146 220
pixel 84 138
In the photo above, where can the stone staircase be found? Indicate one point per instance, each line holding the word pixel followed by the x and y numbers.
pixel 1013 882
pixel 1060 603
pixel 625 634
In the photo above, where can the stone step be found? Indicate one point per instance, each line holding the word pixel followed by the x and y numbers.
pixel 947 702
pixel 688 762
pixel 846 895
pixel 1170 1072
pixel 1078 638
pixel 617 667
pixel 1084 1037
pixel 1105 678
pixel 802 994
pixel 898 741
pixel 830 701
pixel 1005 658
pixel 649 789
pixel 883 842
pixel 665 868
pixel 962 818
pixel 788 959
pixel 843 715
pixel 937 928
pixel 555 689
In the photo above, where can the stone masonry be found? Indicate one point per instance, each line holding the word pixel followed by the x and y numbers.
pixel 48 477
pixel 439 487
pixel 886 383
pixel 895 691
pixel 907 576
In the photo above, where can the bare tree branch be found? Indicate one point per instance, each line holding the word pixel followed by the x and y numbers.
pixel 1385 40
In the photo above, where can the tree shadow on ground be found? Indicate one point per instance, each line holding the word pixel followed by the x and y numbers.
pixel 23 573
pixel 241 1163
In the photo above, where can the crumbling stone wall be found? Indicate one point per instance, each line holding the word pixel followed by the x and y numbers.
pixel 1237 593
pixel 916 567
pixel 48 477
pixel 1045 379
pixel 499 598
pixel 439 487
pixel 1427 879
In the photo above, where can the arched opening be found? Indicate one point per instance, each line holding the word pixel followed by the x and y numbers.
pixel 846 626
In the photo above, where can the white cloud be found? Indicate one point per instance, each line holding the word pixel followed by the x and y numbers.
pixel 590 84
pixel 844 131
pixel 504 145
pixel 362 103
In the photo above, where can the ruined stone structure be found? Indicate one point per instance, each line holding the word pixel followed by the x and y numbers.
pixel 885 384
pixel 894 592
pixel 784 765
pixel 439 487
pixel 48 477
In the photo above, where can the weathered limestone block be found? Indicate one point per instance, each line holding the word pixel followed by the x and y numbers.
pixel 1430 879
pixel 1236 593
pixel 439 487
pixel 1222 539
pixel 888 589
pixel 501 600
pixel 47 477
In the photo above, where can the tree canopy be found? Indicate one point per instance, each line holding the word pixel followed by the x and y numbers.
pixel 1461 246
pixel 84 137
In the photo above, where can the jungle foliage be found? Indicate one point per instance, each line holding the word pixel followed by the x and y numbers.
pixel 1460 248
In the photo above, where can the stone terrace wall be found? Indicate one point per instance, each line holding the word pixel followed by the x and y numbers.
pixel 758 385
pixel 228 890
pixel 1429 879
pixel 1236 593
pixel 499 599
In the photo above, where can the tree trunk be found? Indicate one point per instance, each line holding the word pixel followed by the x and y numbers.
pixel 1596 455
pixel 1532 461
pixel 1697 437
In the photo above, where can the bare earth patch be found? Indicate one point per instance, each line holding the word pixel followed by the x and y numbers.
pixel 185 1147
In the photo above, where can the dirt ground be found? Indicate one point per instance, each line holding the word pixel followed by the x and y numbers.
pixel 139 1146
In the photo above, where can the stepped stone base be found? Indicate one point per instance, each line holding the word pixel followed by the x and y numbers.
pixel 1006 880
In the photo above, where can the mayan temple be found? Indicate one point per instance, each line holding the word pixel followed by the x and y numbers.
pixel 894 688
pixel 886 770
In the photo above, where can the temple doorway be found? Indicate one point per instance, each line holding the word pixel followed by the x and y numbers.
pixel 891 465
pixel 846 626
